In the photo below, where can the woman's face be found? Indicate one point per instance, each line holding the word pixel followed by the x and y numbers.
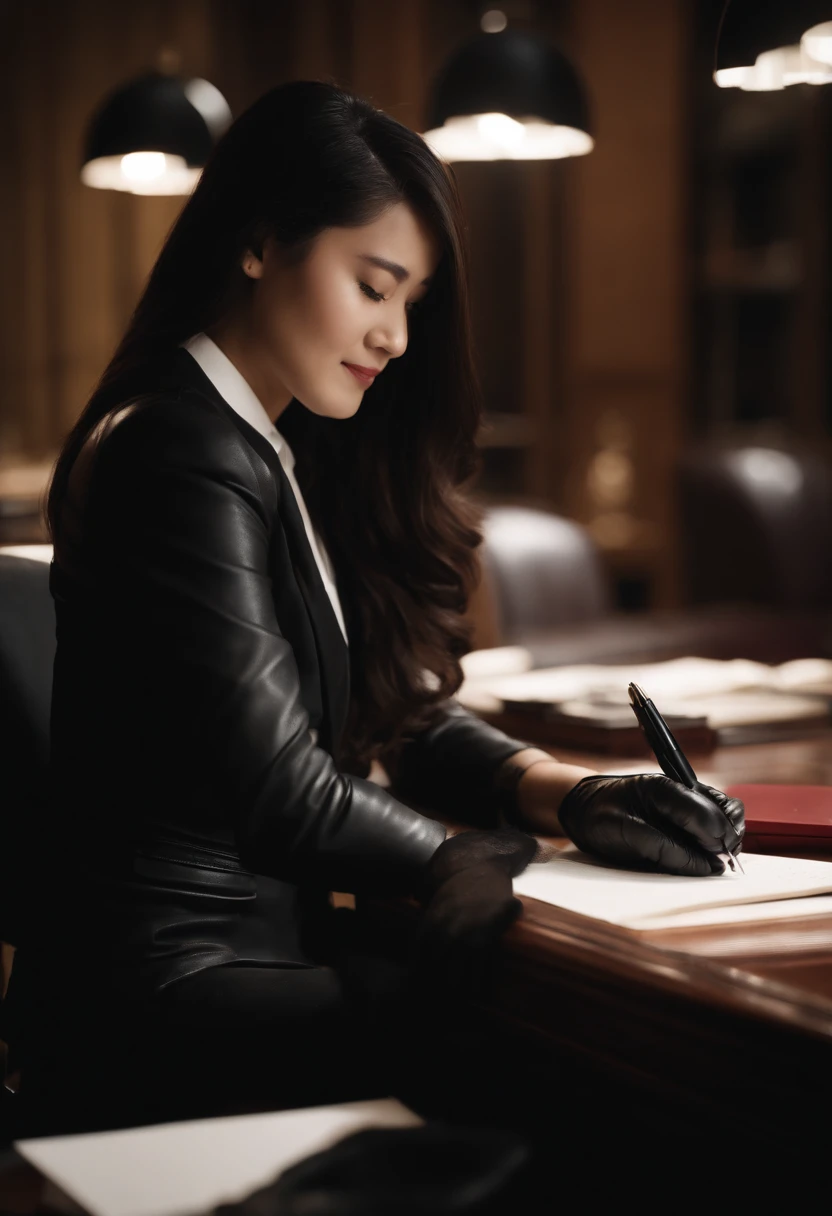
pixel 346 303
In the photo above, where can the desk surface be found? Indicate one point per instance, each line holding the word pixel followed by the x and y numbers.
pixel 661 1008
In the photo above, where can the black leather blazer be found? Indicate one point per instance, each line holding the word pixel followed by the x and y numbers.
pixel 196 820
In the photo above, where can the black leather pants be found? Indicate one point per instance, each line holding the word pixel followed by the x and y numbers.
pixel 241 1038
pixel 224 1040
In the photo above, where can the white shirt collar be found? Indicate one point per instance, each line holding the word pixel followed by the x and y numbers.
pixel 233 387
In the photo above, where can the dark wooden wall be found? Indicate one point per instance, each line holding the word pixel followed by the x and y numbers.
pixel 627 295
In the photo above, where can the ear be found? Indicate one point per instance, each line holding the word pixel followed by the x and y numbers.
pixel 252 265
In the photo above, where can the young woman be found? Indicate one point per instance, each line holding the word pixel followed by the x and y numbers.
pixel 263 554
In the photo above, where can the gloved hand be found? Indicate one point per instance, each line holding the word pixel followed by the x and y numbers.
pixel 652 822
pixel 468 901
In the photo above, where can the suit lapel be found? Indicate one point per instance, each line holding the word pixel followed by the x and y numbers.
pixel 333 654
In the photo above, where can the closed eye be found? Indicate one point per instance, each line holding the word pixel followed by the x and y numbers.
pixel 378 297
pixel 368 291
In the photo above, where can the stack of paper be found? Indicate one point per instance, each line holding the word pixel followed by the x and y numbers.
pixel 771 888
pixel 726 693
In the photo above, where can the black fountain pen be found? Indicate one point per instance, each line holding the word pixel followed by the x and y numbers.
pixel 673 761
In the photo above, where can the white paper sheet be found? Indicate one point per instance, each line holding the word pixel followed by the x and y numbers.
pixel 176 1168
pixel 742 914
pixel 650 901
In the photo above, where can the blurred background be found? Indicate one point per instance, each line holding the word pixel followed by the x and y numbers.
pixel 651 318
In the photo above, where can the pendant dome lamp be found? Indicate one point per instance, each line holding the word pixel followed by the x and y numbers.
pixel 508 95
pixel 154 134
pixel 764 45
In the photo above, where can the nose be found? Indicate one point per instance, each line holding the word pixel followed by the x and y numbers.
pixel 391 336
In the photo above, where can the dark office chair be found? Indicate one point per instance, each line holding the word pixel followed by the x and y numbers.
pixel 27 651
pixel 540 571
pixel 756 525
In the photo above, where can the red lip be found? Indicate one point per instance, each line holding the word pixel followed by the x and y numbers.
pixel 370 372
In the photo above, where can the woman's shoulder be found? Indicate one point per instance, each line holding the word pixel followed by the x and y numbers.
pixel 172 426
pixel 169 413
pixel 177 431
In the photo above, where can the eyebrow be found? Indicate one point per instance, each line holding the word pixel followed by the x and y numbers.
pixel 398 272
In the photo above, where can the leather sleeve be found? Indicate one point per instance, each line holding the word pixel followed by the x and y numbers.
pixel 186 514
pixel 451 767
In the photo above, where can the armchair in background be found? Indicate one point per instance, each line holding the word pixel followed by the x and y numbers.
pixel 539 571
pixel 756 525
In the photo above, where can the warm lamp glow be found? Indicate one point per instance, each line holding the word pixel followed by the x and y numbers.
pixel 500 137
pixel 776 69
pixel 817 42
pixel 143 166
pixel 501 131
pixel 141 173
pixel 732 78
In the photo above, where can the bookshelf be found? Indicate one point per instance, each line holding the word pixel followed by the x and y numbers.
pixel 761 189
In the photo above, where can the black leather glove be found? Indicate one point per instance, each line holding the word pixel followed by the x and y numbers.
pixel 468 901
pixel 650 821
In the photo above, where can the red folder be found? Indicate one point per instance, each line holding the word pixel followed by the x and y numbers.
pixel 786 817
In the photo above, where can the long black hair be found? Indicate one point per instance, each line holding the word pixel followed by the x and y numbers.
pixel 386 488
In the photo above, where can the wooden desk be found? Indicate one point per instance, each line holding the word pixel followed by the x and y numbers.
pixel 722 1027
